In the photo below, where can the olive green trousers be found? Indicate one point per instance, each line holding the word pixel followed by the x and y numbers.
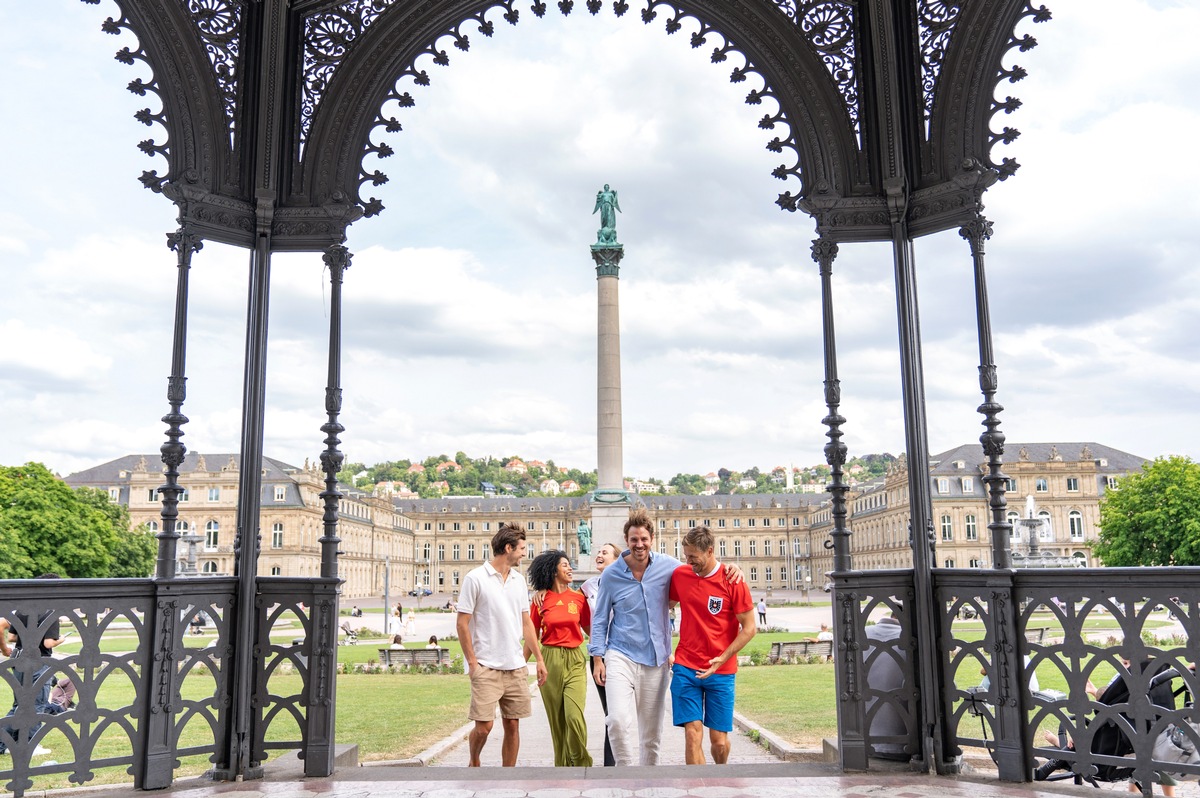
pixel 563 696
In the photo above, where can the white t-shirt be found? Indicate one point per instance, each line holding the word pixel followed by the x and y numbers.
pixel 496 608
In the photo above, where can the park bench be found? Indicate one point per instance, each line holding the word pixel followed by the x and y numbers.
pixel 414 657
pixel 795 649
pixel 1036 634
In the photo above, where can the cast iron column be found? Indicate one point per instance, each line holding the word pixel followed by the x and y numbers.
pixel 823 252
pixel 319 736
pixel 976 233
pixel 183 243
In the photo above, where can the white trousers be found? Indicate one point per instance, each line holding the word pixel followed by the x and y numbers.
pixel 637 702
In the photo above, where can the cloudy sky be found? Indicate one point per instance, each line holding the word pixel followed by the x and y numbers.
pixel 470 306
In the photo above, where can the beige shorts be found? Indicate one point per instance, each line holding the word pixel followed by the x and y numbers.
pixel 509 689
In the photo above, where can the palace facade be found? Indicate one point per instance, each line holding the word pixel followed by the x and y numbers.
pixel 777 539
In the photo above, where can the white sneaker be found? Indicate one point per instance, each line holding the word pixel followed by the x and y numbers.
pixel 40 751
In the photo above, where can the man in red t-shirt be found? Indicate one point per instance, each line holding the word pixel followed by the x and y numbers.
pixel 716 621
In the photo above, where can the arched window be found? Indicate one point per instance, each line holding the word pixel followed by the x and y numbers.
pixel 1075 522
pixel 212 537
pixel 152 526
pixel 209 567
pixel 1080 559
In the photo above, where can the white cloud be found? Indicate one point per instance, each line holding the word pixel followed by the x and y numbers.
pixel 469 311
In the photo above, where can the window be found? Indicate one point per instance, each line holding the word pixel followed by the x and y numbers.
pixel 1010 485
pixel 470 526
pixel 972 529
pixel 737 523
pixel 153 526
pixel 1111 482
pixel 796 520
pixel 968 485
pixel 280 493
pixel 209 567
pixel 1013 517
pixel 796 552
pixel 737 548
pixel 114 494
pixel 947 528
pixel 767 522
pixel 781 522
pixel 662 524
pixel 455 551
pixel 767 548
pixel 532 550
pixel 212 535
pixel 678 553
pixel 975 563
pixel 486 551
pixel 214 494
pixel 529 525
pixel 152 495
pixel 753 548
pixel 470 551
pixel 943 484
pixel 753 574
pixel 487 527
pixel 275 571
pixel 441 552
pixel 1075 523
pixel 1042 485
pixel 1046 532
pixel 721 548
pixel 427 552
pixel 1072 484
pixel 454 578
pixel 442 526
pixel 428 526
pixel 767 574
pixel 751 521
pixel 277 536
pixel 456 527
pixel 441 578
pixel 662 546
pixel 720 523
pixel 949 563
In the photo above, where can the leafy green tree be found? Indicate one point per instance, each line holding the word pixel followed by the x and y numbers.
pixel 346 475
pixel 58 531
pixel 133 551
pixel 1153 517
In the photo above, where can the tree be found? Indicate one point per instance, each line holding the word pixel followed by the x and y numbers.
pixel 133 551
pixel 57 530
pixel 1153 517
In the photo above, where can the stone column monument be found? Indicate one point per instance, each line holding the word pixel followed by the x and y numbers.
pixel 610 502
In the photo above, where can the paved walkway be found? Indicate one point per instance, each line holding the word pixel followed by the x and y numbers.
pixel 537 749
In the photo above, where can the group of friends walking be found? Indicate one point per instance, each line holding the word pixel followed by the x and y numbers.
pixel 624 613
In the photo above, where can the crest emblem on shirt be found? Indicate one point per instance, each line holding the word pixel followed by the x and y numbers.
pixel 573 608
pixel 714 604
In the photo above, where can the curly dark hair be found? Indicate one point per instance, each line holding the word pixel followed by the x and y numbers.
pixel 543 569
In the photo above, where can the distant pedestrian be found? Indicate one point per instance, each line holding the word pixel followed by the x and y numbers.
pixel 49 638
pixel 493 617
pixel 762 611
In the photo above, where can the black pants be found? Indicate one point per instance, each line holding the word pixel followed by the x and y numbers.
pixel 609 759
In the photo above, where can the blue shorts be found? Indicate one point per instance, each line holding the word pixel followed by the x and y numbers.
pixel 709 700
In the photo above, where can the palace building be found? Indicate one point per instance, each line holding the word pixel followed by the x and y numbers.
pixel 777 539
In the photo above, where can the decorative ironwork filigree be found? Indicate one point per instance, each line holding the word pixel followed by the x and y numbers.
pixel 150 178
pixel 828 23
pixel 219 24
pixel 829 26
pixel 936 20
pixel 328 37
pixel 1007 167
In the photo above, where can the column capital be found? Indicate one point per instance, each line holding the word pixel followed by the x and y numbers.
pixel 608 259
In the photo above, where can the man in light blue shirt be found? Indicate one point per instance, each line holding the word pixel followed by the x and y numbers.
pixel 630 642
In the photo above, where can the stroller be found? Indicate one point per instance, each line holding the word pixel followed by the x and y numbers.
pixel 1171 745
pixel 351 637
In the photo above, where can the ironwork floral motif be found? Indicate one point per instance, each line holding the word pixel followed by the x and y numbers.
pixel 829 26
pixel 328 37
pixel 936 20
pixel 1007 167
pixel 219 24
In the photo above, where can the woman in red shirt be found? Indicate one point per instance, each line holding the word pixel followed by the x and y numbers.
pixel 562 620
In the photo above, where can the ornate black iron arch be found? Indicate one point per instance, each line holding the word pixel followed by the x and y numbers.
pixel 273 102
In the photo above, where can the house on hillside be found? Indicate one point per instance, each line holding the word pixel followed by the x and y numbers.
pixel 515 466
pixel 549 487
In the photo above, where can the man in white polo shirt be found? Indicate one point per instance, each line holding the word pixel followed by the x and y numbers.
pixel 493 615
